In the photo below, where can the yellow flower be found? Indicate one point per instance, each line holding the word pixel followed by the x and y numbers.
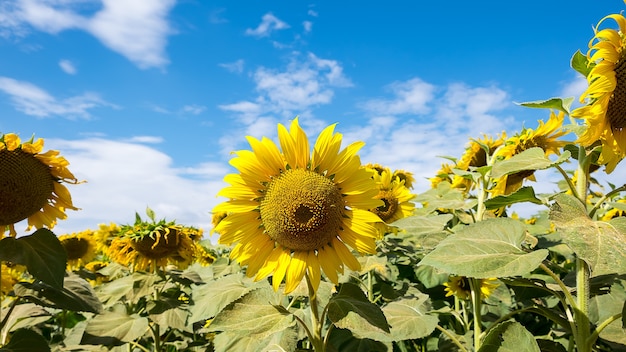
pixel 614 212
pixel 605 112
pixel 444 174
pixel 96 277
pixel 148 246
pixel 475 156
pixel 396 197
pixel 292 212
pixel 460 287
pixel 546 137
pixel 104 235
pixel 32 184
pixel 10 274
pixel 203 255
pixel 80 247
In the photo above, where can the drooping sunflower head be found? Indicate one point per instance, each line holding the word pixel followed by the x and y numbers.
pixel 81 248
pixel 152 245
pixel 459 286
pixel 546 136
pixel 475 155
pixel 396 198
pixel 605 97
pixel 32 184
pixel 293 211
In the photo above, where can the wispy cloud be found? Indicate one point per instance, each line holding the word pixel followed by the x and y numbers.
pixel 308 26
pixel 193 109
pixel 68 67
pixel 269 23
pixel 236 66
pixel 409 97
pixel 138 32
pixel 32 100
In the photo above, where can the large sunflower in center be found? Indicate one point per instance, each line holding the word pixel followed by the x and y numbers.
pixel 292 212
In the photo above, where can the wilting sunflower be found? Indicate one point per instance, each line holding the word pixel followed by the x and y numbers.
pixel 459 286
pixel 31 184
pixel 546 137
pixel 396 197
pixel 291 212
pixel 475 156
pixel 148 246
pixel 80 247
pixel 605 112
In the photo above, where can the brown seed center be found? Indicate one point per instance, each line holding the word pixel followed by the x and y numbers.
pixel 616 110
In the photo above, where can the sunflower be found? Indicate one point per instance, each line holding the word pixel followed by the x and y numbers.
pixel 10 274
pixel 614 212
pixel 80 247
pixel 104 235
pixel 459 286
pixel 203 255
pixel 475 156
pixel 396 197
pixel 93 268
pixel 292 212
pixel 31 184
pixel 605 112
pixel 546 137
pixel 152 245
pixel 443 175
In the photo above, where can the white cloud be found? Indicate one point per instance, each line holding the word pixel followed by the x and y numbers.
pixel 137 30
pixel 312 13
pixel 193 109
pixel 125 177
pixel 68 67
pixel 269 23
pixel 574 89
pixel 236 66
pixel 410 97
pixel 307 25
pixel 32 100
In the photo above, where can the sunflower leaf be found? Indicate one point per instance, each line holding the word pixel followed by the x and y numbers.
pixel 41 252
pixel 598 243
pixel 24 340
pixel 343 340
pixel 530 159
pixel 580 63
pixel 408 319
pixel 114 328
pixel 524 194
pixel 552 103
pixel 168 312
pixel 509 336
pixel 75 295
pixel 489 248
pixel 350 309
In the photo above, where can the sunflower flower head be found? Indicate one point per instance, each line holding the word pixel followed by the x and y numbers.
pixel 546 136
pixel 10 274
pixel 459 286
pixel 475 156
pixel 605 97
pixel 32 186
pixel 396 197
pixel 152 245
pixel 616 211
pixel 81 248
pixel 293 212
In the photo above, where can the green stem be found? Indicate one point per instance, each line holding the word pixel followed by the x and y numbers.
pixel 476 308
pixel 370 286
pixel 570 184
pixel 599 328
pixel 316 334
pixel 481 197
pixel 451 337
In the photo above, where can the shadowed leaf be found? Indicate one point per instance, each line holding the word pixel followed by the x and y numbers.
pixel 350 309
pixel 509 337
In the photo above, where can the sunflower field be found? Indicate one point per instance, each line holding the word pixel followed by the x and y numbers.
pixel 312 250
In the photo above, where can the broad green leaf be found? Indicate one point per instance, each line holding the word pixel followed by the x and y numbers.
pixel 422 225
pixel 23 316
pixel 375 264
pixel 114 328
pixel 429 276
pixel 76 295
pixel 530 159
pixel 237 341
pixel 41 252
pixel 408 319
pixel 580 63
pixel 211 298
pixel 602 307
pixel 114 291
pixel 350 309
pixel 441 197
pixel 341 340
pixel 552 103
pixel 24 340
pixel 509 337
pixel 524 194
pixel 168 312
pixel 599 244
pixel 490 248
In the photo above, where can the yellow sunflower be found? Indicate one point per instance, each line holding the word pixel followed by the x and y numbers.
pixel 475 156
pixel 546 137
pixel 459 286
pixel 32 184
pixel 614 212
pixel 605 112
pixel 396 197
pixel 10 274
pixel 94 267
pixel 203 256
pixel 80 247
pixel 443 175
pixel 104 235
pixel 292 212
pixel 148 246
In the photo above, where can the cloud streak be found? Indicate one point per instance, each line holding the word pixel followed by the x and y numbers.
pixel 269 23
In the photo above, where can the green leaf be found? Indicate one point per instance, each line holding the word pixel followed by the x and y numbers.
pixel 441 197
pixel 408 318
pixel 599 244
pixel 211 298
pixel 76 295
pixel 524 194
pixel 114 329
pixel 24 340
pixel 530 159
pixel 580 63
pixel 168 312
pixel 350 309
pixel 552 103
pixel 41 252
pixel 423 225
pixel 342 340
pixel 489 248
pixel 509 337
pixel 285 340
pixel 24 316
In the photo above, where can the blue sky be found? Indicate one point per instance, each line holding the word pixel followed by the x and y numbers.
pixel 147 100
